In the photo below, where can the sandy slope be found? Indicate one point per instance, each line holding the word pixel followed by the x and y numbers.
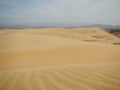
pixel 72 77
pixel 37 49
pixel 48 47
pixel 95 35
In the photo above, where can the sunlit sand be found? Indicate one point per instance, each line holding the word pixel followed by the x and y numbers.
pixel 59 59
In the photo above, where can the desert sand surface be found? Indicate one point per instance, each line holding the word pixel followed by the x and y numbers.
pixel 59 59
pixel 72 77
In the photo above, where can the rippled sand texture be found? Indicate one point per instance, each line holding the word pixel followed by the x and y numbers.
pixel 59 59
pixel 74 77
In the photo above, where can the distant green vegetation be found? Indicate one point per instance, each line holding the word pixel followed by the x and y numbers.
pixel 115 30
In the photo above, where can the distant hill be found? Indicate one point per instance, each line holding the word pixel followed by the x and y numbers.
pixel 59 25
pixel 103 26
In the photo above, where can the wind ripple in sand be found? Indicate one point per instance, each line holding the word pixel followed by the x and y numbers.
pixel 72 77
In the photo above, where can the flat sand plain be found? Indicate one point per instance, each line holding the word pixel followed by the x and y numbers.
pixel 59 59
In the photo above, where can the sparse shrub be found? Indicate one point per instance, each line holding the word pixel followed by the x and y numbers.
pixel 114 30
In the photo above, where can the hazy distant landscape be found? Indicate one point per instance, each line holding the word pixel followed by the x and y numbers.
pixel 61 26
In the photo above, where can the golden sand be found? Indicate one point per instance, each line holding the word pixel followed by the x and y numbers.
pixel 59 59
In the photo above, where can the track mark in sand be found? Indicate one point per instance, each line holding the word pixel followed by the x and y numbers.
pixel 47 83
pixel 33 81
pixel 102 71
pixel 6 81
pixel 66 82
pixel 81 79
pixel 96 77
pixel 72 77
pixel 20 83
pixel 3 75
pixel 57 84
pixel 13 81
pixel 108 73
pixel 26 80
pixel 97 71
pixel 111 69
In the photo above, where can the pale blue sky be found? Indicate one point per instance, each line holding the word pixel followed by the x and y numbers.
pixel 59 11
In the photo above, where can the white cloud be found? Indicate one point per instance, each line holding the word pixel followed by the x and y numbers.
pixel 67 11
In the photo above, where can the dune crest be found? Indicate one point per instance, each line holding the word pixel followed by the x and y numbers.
pixel 59 59
pixel 43 47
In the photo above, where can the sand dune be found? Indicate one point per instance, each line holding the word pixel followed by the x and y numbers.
pixel 72 77
pixel 95 35
pixel 46 47
pixel 45 59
